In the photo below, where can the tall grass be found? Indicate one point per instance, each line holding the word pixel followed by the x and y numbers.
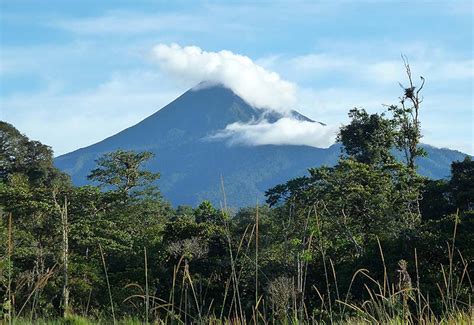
pixel 108 283
pixel 388 302
pixel 400 301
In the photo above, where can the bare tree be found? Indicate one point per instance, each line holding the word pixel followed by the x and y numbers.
pixel 407 118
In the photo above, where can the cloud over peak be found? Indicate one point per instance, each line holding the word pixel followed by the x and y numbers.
pixel 259 87
pixel 285 131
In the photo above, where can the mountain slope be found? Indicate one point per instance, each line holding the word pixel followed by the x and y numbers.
pixel 191 166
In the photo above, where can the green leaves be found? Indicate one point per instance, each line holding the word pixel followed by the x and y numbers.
pixel 18 154
pixel 462 184
pixel 368 138
pixel 205 212
pixel 122 170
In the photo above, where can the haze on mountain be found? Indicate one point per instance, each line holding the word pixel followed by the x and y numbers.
pixel 197 144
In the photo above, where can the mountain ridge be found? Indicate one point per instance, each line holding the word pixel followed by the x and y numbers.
pixel 192 167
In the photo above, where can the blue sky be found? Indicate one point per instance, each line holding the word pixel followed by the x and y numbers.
pixel 75 72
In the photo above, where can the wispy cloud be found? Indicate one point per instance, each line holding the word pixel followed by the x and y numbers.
pixel 73 120
pixel 372 69
pixel 339 77
pixel 129 22
pixel 285 131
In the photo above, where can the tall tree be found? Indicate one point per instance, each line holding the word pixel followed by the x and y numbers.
pixel 18 154
pixel 123 171
pixel 368 138
pixel 407 118
pixel 205 212
pixel 461 184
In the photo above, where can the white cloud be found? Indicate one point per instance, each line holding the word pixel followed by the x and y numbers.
pixel 321 62
pixel 285 131
pixel 260 87
pixel 256 85
pixel 329 65
pixel 433 70
pixel 128 22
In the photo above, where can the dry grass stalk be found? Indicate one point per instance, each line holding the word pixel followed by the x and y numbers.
pixel 108 283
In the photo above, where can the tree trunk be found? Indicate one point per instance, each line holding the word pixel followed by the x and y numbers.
pixel 10 268
pixel 65 259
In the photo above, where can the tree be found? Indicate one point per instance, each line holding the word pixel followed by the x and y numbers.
pixel 442 198
pixel 461 183
pixel 122 171
pixel 205 212
pixel 368 138
pixel 18 154
pixel 357 201
pixel 27 179
pixel 436 201
pixel 406 118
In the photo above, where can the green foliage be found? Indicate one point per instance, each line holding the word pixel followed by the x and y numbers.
pixel 442 198
pixel 20 155
pixel 122 170
pixel 368 138
pixel 461 184
pixel 205 212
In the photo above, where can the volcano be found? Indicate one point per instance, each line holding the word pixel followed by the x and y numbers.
pixel 192 166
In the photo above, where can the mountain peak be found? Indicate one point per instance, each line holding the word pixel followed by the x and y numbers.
pixel 205 84
pixel 191 168
pixel 212 89
pixel 207 108
pixel 198 113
